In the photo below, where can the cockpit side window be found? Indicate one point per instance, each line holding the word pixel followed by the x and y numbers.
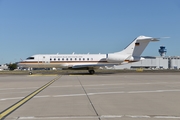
pixel 30 58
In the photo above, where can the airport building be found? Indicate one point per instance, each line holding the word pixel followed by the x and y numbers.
pixel 159 62
pixel 3 67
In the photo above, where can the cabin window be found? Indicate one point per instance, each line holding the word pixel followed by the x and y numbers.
pixel 79 58
pixel 59 59
pixel 70 58
pixel 50 59
pixel 30 58
pixel 66 58
pixel 91 58
pixel 87 58
pixel 75 59
pixel 62 58
pixel 83 58
pixel 54 59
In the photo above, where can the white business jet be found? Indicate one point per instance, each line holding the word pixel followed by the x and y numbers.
pixel 90 62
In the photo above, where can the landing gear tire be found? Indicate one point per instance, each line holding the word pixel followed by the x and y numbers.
pixel 91 72
pixel 30 73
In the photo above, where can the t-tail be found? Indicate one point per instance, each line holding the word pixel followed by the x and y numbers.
pixel 132 53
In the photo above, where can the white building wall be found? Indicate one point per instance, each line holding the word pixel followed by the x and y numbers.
pixel 178 63
pixel 157 62
pixel 175 63
pixel 162 62
pixel 3 67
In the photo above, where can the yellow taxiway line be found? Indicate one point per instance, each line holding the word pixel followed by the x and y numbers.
pixel 12 108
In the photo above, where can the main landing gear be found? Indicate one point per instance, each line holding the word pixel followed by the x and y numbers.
pixel 30 72
pixel 91 72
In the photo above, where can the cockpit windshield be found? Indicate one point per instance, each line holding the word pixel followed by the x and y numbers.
pixel 30 58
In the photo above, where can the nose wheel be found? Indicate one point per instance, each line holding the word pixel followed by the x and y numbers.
pixel 91 72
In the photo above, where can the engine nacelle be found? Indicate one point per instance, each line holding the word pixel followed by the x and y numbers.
pixel 135 59
pixel 118 58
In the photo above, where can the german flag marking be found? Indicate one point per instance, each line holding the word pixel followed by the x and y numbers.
pixel 137 44
pixel 15 106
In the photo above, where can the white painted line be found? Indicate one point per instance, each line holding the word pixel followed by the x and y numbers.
pixel 18 88
pixel 98 93
pixel 50 118
pixel 167 117
pixel 155 91
pixel 138 116
pixel 102 93
pixel 15 92
pixel 70 95
pixel 94 85
pixel 111 116
pixel 11 98
pixel 96 117
pixel 103 88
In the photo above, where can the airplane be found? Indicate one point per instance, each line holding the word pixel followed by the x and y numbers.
pixel 90 62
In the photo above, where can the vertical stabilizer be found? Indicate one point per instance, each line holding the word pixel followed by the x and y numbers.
pixel 136 47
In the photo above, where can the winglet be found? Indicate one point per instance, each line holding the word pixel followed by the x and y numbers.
pixel 147 38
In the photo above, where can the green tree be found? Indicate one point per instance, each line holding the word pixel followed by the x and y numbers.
pixel 12 66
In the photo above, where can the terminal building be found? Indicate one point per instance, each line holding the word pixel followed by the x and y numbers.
pixel 3 67
pixel 159 62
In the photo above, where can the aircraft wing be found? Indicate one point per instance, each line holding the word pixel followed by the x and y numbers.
pixel 92 66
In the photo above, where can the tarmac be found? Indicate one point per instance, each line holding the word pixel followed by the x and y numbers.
pixel 126 96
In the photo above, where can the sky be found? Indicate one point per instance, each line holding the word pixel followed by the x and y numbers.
pixel 29 27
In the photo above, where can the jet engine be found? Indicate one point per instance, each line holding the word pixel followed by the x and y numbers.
pixel 135 58
pixel 118 58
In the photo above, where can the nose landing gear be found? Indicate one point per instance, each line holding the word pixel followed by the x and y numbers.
pixel 91 72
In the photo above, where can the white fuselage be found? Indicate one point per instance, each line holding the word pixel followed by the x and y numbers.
pixel 65 60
